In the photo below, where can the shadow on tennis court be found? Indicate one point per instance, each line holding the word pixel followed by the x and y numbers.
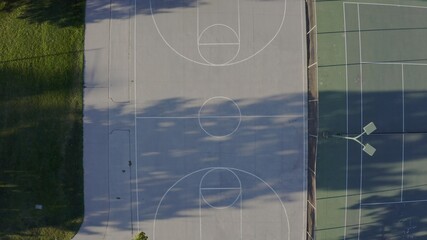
pixel 391 198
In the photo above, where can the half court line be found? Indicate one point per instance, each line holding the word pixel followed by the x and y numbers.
pixel 208 116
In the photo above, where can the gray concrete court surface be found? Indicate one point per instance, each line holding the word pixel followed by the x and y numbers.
pixel 195 119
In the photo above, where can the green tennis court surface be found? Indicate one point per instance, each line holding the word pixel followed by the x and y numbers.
pixel 372 59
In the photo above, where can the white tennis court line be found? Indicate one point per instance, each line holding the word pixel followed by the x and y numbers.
pixel 387 5
pixel 317 107
pixel 396 63
pixel 361 119
pixel 394 202
pixel 347 112
pixel 403 130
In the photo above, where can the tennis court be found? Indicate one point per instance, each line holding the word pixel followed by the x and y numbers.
pixel 384 82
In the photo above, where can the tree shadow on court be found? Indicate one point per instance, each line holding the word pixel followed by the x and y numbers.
pixel 257 140
pixel 382 173
pixel 393 221
pixel 168 149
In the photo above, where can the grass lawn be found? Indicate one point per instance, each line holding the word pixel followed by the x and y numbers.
pixel 41 74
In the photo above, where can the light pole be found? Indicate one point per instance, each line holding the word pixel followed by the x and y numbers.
pixel 368 129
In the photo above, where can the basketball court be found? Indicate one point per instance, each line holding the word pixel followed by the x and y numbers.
pixel 220 119
pixel 206 120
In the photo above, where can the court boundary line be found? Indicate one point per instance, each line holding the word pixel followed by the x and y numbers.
pixel 403 131
pixel 135 113
pixel 347 112
pixel 317 107
pixel 395 63
pixel 386 5
pixel 394 202
pixel 361 120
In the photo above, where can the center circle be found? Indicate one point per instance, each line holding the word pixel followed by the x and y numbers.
pixel 219 117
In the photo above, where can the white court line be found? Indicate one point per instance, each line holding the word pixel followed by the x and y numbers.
pixel 135 119
pixel 347 111
pixel 212 188
pixel 107 225
pixel 395 202
pixel 198 30
pixel 218 44
pixel 387 5
pixel 312 65
pixel 361 120
pixel 403 131
pixel 396 63
pixel 311 29
pixel 209 117
pixel 317 108
pixel 314 207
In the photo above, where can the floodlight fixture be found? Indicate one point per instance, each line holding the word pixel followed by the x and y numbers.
pixel 368 149
pixel 368 129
